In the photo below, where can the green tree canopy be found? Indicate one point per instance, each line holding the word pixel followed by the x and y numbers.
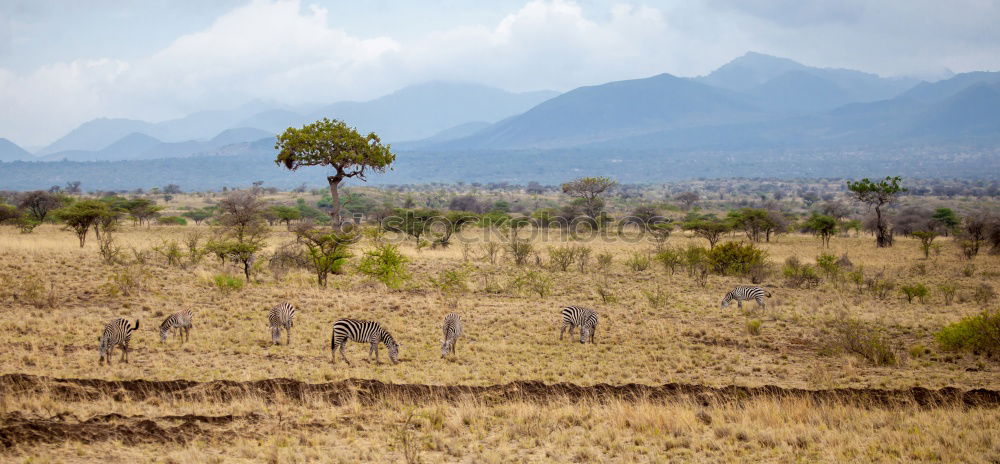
pixel 823 226
pixel 589 190
pixel 877 195
pixel 333 144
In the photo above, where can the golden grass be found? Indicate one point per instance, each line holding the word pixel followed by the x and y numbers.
pixel 509 335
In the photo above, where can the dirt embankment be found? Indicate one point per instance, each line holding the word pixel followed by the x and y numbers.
pixel 373 390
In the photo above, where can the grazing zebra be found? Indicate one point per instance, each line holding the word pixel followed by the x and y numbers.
pixel 362 332
pixel 180 322
pixel 280 317
pixel 117 332
pixel 452 330
pixel 745 293
pixel 585 318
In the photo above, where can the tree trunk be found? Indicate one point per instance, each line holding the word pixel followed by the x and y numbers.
pixel 335 195
pixel 882 238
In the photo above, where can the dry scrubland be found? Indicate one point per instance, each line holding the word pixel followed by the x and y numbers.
pixel 657 328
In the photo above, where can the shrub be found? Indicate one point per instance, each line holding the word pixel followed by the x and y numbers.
pixel 127 280
pixel 638 262
pixel 604 261
pixel 879 286
pixel 326 250
pixel 519 250
pixel 948 292
pixel 561 258
pixel 533 281
pixel 984 294
pixel 852 336
pixel 172 221
pixel 386 264
pixel 582 257
pixel 226 283
pixel 969 270
pixel 452 281
pixel 606 293
pixel 170 251
pixel 695 259
pixel 753 326
pixel 858 279
pixel 657 298
pixel 670 258
pixel 735 258
pixel 799 275
pixel 828 263
pixel 918 291
pixel 32 291
pixel 490 251
pixel 976 333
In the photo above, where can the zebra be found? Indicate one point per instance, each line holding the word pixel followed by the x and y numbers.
pixel 280 317
pixel 452 330
pixel 117 332
pixel 745 293
pixel 181 322
pixel 362 332
pixel 585 318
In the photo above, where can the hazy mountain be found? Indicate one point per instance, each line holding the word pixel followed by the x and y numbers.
pixel 239 134
pixel 141 146
pixel 420 111
pixel 96 134
pixel 799 91
pixel 940 90
pixel 616 109
pixel 755 69
pixel 10 151
pixel 274 121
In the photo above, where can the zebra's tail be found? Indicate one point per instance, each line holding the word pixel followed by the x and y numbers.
pixel 767 293
pixel 136 325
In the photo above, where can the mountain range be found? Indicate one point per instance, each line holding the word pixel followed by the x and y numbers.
pixel 778 112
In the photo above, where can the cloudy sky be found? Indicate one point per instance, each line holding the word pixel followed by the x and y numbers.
pixel 64 62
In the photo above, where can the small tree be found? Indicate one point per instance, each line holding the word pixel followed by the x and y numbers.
pixel 877 195
pixel 198 215
pixel 589 191
pixel 39 203
pixel 286 214
pixel 82 215
pixel 926 237
pixel 946 219
pixel 688 198
pixel 326 250
pixel 711 230
pixel 822 226
pixel 333 144
pixel 241 216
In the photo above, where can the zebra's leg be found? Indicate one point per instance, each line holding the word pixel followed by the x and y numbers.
pixel 454 343
pixel 760 303
pixel 592 331
pixel 375 349
pixel 289 333
pixel 739 304
pixel 563 329
pixel 342 353
pixel 124 353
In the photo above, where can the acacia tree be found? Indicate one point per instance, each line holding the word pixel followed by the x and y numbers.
pixel 711 230
pixel 877 195
pixel 333 144
pixel 82 215
pixel 688 198
pixel 39 203
pixel 823 226
pixel 241 216
pixel 589 191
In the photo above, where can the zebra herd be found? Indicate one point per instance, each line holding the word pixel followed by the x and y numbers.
pixel 118 332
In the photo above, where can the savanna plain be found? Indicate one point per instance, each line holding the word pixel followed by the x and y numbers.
pixel 672 377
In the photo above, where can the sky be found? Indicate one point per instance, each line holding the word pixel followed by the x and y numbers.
pixel 63 63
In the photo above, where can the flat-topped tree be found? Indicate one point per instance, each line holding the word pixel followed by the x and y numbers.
pixel 876 195
pixel 334 144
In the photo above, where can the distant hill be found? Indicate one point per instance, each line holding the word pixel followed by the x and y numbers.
pixel 10 151
pixel 410 113
pixel 796 108
pixel 420 111
pixel 613 110
pixel 138 146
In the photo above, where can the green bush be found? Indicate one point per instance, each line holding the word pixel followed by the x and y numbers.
pixel 976 333
pixel 695 259
pixel 984 294
pixel 670 258
pixel 638 262
pixel 799 275
pixel 520 250
pixel 452 281
pixel 852 336
pixel 227 283
pixel 753 326
pixel 735 258
pixel 918 291
pixel 828 263
pixel 386 264
pixel 948 292
pixel 172 221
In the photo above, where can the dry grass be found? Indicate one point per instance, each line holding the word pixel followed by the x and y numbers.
pixel 510 334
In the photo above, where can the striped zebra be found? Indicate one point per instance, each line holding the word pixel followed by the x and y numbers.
pixel 452 330
pixel 745 293
pixel 585 318
pixel 117 332
pixel 280 317
pixel 180 322
pixel 362 332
